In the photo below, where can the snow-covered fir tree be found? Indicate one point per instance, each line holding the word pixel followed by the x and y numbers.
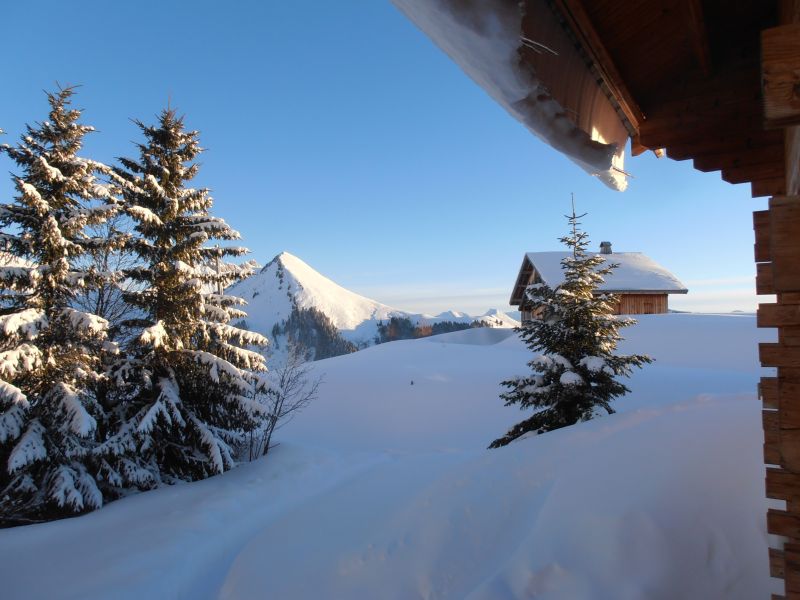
pixel 50 353
pixel 189 380
pixel 575 376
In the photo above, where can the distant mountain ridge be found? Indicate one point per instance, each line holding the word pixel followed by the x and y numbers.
pixel 287 291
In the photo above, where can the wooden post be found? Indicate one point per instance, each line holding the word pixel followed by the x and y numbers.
pixel 777 252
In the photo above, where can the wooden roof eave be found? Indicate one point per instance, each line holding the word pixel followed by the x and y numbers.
pixel 523 276
pixel 629 291
pixel 711 110
pixel 580 26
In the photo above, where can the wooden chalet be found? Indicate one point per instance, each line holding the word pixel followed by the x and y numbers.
pixel 641 286
pixel 716 82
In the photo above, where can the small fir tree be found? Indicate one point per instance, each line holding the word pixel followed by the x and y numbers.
pixel 189 382
pixel 50 353
pixel 575 376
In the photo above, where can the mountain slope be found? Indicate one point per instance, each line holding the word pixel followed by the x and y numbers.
pixel 287 285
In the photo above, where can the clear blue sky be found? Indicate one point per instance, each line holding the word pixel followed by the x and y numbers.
pixel 339 132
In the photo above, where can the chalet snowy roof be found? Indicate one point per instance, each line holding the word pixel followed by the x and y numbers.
pixel 637 273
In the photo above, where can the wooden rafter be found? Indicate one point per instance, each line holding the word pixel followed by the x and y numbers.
pixel 725 143
pixel 578 21
pixel 699 36
pixel 754 172
pixel 792 148
pixel 772 153
pixel 762 188
pixel 780 47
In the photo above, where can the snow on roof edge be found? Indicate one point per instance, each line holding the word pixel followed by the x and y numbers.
pixel 484 45
pixel 637 273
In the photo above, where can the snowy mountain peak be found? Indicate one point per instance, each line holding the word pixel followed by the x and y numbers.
pixel 287 284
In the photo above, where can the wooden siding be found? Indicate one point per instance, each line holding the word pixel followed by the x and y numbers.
pixel 628 304
pixel 777 253
pixel 642 304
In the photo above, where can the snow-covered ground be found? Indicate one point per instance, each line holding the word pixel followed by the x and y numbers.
pixel 383 489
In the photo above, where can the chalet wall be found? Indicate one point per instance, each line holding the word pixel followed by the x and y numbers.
pixel 642 304
pixel 628 304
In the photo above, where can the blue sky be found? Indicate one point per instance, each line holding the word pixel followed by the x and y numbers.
pixel 340 133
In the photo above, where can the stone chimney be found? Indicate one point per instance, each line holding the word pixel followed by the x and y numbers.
pixel 605 247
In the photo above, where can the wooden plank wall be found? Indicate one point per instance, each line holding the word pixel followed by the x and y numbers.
pixel 777 254
pixel 642 304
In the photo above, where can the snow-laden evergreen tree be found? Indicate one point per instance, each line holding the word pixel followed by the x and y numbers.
pixel 189 376
pixel 50 353
pixel 575 376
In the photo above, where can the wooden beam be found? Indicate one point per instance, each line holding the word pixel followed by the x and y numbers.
pixel 772 450
pixel 792 151
pixel 655 134
pixel 768 187
pixel 748 173
pixel 782 484
pixel 764 279
pixel 577 19
pixel 732 159
pixel 791 557
pixel 789 11
pixel 789 403
pixel 789 450
pixel 761 229
pixel 768 391
pixel 670 130
pixel 780 522
pixel 722 143
pixel 699 36
pixel 778 315
pixel 636 146
pixel 778 355
pixel 784 239
pixel 789 336
pixel 709 115
pixel 780 73
pixel 777 563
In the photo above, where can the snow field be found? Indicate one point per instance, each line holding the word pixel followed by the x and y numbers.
pixel 383 489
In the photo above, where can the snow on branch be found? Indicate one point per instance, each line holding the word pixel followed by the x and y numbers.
pixel 80 422
pixel 171 395
pixel 224 331
pixel 75 490
pixel 219 365
pixel 155 336
pixel 570 378
pixel 144 215
pixel 248 359
pixel 86 322
pixel 149 418
pixel 51 173
pixel 218 451
pixel 15 276
pixel 152 183
pixel 22 359
pixel 12 420
pixel 25 323
pixel 29 449
pixel 596 364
